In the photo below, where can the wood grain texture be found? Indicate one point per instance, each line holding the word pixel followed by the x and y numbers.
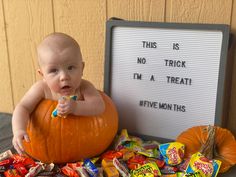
pixel 137 10
pixel 85 21
pixel 201 11
pixel 233 18
pixel 232 111
pixel 27 22
pixel 6 103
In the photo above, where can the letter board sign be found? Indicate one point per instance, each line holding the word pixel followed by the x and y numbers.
pixel 165 77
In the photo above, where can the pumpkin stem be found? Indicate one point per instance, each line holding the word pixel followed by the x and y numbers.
pixel 208 147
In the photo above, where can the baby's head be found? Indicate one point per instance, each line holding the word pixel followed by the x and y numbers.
pixel 56 44
pixel 60 62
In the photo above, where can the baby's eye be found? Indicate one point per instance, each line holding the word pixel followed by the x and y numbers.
pixel 54 70
pixel 71 67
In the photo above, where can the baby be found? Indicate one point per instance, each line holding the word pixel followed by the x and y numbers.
pixel 61 67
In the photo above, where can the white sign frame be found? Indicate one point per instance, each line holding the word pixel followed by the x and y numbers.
pixel 125 42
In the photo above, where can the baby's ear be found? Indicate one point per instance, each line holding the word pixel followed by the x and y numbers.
pixel 40 72
pixel 83 66
pixel 83 63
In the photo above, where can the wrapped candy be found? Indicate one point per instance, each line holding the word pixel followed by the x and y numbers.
pixel 173 152
pixel 55 113
pixel 148 169
pixel 205 167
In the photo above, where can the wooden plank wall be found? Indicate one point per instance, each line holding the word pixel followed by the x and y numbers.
pixel 24 23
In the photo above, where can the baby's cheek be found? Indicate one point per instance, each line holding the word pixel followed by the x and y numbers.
pixel 53 86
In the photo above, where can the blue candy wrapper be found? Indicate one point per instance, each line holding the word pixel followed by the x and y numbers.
pixel 91 168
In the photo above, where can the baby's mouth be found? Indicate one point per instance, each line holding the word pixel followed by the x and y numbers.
pixel 66 90
pixel 65 87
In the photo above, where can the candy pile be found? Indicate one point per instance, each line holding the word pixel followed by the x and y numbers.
pixel 130 157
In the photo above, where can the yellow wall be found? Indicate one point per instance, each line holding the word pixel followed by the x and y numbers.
pixel 23 24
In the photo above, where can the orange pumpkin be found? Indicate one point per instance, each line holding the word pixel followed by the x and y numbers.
pixel 224 144
pixel 61 140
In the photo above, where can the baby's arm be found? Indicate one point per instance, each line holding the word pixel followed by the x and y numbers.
pixel 92 104
pixel 22 113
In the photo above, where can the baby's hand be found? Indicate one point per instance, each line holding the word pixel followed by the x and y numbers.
pixel 18 137
pixel 65 107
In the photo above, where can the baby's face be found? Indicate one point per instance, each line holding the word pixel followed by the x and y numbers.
pixel 62 70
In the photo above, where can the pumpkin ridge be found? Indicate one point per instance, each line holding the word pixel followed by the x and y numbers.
pixel 224 137
pixel 60 148
pixel 221 158
pixel 30 127
pixel 52 106
pixel 77 130
pixel 33 123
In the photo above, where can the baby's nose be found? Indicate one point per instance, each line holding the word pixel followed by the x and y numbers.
pixel 64 76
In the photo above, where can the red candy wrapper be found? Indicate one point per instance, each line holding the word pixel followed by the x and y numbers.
pixel 74 165
pixel 20 168
pixel 136 161
pixel 160 163
pixel 12 173
pixel 6 162
pixel 111 154
pixel 26 161
pixel 78 168
pixel 69 172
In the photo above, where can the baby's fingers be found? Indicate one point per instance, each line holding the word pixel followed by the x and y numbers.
pixel 20 144
pixel 26 138
pixel 18 148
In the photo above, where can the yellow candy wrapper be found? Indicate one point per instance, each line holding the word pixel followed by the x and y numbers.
pixel 146 170
pixel 203 166
pixel 173 153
